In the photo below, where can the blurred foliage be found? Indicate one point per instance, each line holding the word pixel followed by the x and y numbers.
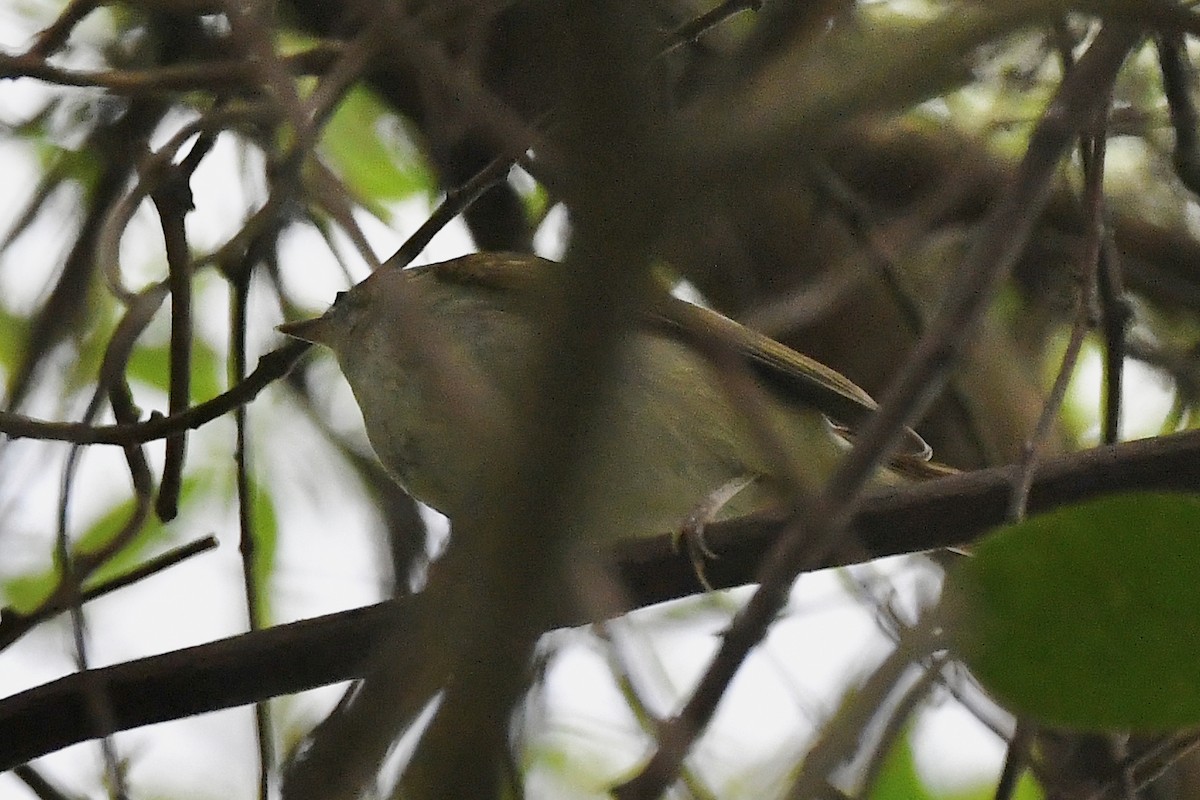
pixel 373 153
pixel 898 779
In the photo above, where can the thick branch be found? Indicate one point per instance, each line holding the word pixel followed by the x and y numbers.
pixel 291 658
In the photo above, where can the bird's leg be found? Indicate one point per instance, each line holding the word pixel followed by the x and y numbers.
pixel 691 532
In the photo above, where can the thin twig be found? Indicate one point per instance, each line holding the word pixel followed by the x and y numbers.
pixel 1115 316
pixel 14 624
pixel 897 719
pixel 247 540
pixel 271 367
pixel 841 736
pixel 1016 760
pixel 98 702
pixel 173 200
pixel 213 76
pixel 1178 82
pixel 881 257
pixel 40 785
pixel 1094 146
pixel 151 170
pixel 455 202
pixel 55 35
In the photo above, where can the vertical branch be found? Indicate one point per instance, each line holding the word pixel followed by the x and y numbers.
pixel 1106 299
pixel 96 697
pixel 1093 148
pixel 247 540
pixel 1178 78
pixel 1115 315
pixel 99 704
pixel 616 145
pixel 74 570
pixel 172 198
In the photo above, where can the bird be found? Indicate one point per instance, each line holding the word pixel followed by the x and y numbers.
pixel 677 448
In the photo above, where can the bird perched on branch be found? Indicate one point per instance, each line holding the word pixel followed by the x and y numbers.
pixel 439 360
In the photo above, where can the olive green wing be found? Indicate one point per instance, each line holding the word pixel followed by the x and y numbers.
pixel 502 272
pixel 792 376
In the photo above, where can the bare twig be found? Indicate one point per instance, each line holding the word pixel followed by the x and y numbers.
pixel 1085 319
pixel 248 538
pixel 213 76
pixel 271 367
pixel 456 201
pixel 14 624
pixel 1179 81
pixel 173 200
pixel 51 38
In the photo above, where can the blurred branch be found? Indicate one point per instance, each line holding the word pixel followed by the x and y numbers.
pixel 1178 81
pixel 1093 146
pixel 614 149
pixel 40 785
pixel 117 147
pixel 214 76
pixel 51 38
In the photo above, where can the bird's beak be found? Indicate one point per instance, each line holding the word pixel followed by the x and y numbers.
pixel 316 330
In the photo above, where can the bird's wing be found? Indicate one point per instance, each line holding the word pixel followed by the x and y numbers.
pixel 792 376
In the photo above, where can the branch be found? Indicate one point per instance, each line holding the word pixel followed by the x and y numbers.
pixel 302 655
pixel 271 367
pixel 212 76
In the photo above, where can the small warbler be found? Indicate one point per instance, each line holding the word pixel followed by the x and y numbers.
pixel 675 439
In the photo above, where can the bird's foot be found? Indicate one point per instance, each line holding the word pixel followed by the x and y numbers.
pixel 690 535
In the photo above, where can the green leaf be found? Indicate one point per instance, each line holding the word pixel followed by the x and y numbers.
pixel 266 545
pixel 26 592
pixel 372 152
pixel 1088 617
pixel 14 330
pixel 898 778
pixel 151 365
